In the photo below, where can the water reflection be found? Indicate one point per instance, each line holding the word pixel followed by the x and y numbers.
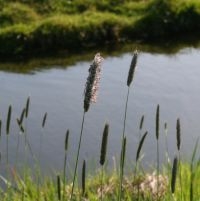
pixel 65 59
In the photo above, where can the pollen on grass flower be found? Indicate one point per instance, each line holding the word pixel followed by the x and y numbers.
pixel 92 83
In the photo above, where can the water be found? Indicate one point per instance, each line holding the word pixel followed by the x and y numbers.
pixel 171 80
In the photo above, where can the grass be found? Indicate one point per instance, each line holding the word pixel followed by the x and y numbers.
pixel 30 27
pixel 48 188
pixel 168 183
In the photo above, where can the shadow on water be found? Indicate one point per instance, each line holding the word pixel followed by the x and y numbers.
pixel 65 59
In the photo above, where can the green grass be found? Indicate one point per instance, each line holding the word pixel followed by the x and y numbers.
pixel 48 188
pixel 63 32
pixel 15 13
pixel 29 27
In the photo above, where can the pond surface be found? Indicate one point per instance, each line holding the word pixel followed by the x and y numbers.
pixel 171 80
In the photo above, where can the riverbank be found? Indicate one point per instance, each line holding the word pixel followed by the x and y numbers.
pixel 142 187
pixel 49 27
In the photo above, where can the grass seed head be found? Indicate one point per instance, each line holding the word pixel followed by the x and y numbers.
pixel 132 68
pixel 157 121
pixel 66 140
pixel 8 120
pixel 104 144
pixel 174 174
pixel 178 133
pixel 92 83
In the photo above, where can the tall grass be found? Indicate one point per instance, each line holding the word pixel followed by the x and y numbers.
pixel 178 138
pixel 103 154
pixel 157 126
pixel 123 141
pixel 65 162
pixel 91 90
pixel 139 185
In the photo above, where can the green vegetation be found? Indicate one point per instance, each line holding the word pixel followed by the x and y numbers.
pixel 47 26
pixel 48 190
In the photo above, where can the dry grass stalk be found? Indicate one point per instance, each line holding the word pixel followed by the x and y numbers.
pixel 149 186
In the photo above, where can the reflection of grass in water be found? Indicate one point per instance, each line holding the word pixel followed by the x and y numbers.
pixel 141 186
pixel 60 60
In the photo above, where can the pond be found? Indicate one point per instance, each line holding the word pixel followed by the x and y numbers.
pixel 170 80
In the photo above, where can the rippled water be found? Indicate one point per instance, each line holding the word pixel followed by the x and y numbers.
pixel 169 80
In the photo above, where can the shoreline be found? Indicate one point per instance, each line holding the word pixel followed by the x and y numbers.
pixel 55 32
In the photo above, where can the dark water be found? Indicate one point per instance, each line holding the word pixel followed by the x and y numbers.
pixel 171 80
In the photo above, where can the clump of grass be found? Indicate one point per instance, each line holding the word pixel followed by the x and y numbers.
pixel 16 13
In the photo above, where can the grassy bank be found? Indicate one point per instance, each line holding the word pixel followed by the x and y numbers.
pixel 146 182
pixel 35 27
